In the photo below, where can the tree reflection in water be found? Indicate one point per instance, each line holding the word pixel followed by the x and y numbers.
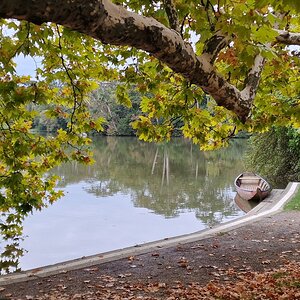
pixel 168 179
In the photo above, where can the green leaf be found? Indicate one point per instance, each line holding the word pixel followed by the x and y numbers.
pixel 264 34
pixel 122 96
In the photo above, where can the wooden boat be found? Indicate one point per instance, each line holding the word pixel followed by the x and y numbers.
pixel 251 186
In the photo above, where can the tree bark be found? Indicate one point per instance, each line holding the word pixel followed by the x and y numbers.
pixel 172 15
pixel 113 24
pixel 288 38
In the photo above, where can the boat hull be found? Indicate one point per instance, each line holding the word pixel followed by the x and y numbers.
pixel 251 186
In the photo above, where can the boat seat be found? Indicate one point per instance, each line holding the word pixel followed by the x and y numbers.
pixel 249 177
pixel 249 180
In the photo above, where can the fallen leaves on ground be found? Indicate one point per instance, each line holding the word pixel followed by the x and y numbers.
pixel 279 284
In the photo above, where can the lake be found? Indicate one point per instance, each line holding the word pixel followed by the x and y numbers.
pixel 135 192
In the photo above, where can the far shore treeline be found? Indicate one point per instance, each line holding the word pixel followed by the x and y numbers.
pixel 101 103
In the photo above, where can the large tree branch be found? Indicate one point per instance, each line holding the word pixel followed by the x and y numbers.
pixel 253 78
pixel 115 25
pixel 109 23
pixel 224 93
pixel 288 38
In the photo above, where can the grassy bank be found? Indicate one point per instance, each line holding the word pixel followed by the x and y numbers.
pixel 294 204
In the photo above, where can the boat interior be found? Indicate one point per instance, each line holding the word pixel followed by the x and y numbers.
pixel 252 182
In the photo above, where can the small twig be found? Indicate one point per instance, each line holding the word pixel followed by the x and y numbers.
pixel 212 7
pixel 172 15
pixel 75 88
pixel 174 121
pixel 182 24
pixel 206 7
pixel 218 7
pixel 22 44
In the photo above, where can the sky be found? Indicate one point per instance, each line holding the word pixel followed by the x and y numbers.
pixel 25 65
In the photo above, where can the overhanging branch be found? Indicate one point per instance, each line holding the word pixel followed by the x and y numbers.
pixel 214 45
pixel 253 78
pixel 288 38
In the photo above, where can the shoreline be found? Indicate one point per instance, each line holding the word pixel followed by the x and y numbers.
pixel 266 208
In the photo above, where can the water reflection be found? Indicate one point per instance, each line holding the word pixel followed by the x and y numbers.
pixel 165 178
pixel 135 192
pixel 245 205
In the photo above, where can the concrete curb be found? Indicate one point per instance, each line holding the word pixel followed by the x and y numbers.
pixel 264 209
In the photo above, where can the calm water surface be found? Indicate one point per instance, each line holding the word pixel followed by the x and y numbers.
pixel 135 193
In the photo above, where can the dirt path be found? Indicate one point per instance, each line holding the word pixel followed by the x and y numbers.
pixel 266 244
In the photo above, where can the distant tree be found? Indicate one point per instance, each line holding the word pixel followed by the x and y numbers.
pixel 103 103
